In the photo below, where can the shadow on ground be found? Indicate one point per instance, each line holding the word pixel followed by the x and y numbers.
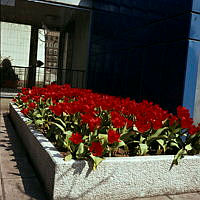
pixel 18 176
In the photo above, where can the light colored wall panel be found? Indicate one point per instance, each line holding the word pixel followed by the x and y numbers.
pixel 15 43
pixel 197 97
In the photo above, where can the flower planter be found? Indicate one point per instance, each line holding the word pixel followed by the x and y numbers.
pixel 115 178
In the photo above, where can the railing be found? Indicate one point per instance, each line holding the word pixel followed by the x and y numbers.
pixel 22 73
pixel 46 75
pixel 76 78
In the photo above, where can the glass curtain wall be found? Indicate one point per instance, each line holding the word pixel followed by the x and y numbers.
pixel 138 49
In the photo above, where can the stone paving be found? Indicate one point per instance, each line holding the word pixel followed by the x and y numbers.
pixel 18 178
pixel 19 181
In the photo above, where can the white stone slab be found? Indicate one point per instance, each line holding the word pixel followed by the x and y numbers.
pixel 115 178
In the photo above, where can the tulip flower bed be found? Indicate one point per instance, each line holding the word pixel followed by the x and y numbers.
pixel 87 125
pixel 133 144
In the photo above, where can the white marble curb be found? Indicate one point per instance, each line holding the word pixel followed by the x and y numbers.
pixel 115 178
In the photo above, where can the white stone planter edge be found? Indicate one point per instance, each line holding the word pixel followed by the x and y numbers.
pixel 115 178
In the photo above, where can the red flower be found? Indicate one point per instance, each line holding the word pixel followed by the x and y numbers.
pixel 25 111
pixel 113 136
pixel 117 120
pixel 96 149
pixel 92 121
pixel 32 105
pixel 198 127
pixel 186 122
pixel 129 123
pixel 76 138
pixel 142 126
pixel 157 124
pixel 193 130
pixel 36 98
pixel 26 91
pixel 172 120
pixel 25 98
pixel 183 112
pixel 57 109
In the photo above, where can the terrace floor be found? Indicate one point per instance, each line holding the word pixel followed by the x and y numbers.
pixel 19 180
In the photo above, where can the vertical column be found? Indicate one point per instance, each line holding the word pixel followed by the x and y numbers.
pixel 191 76
pixel 33 56
pixel 60 57
pixel 197 98
pixel 191 99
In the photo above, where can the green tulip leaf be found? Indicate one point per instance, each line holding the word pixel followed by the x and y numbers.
pixel 143 149
pixel 124 131
pixel 29 122
pixel 39 122
pixel 157 133
pixel 80 150
pixel 174 144
pixel 96 161
pixel 38 115
pixel 162 144
pixel 103 138
pixel 68 157
pixel 59 126
pixel 178 130
pixel 61 121
pixel 177 157
pixel 188 147
pixel 68 133
pixel 120 144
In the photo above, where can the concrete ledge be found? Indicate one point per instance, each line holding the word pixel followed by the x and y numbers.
pixel 115 178
pixel 7 95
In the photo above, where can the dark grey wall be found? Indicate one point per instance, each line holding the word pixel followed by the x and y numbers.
pixel 139 49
